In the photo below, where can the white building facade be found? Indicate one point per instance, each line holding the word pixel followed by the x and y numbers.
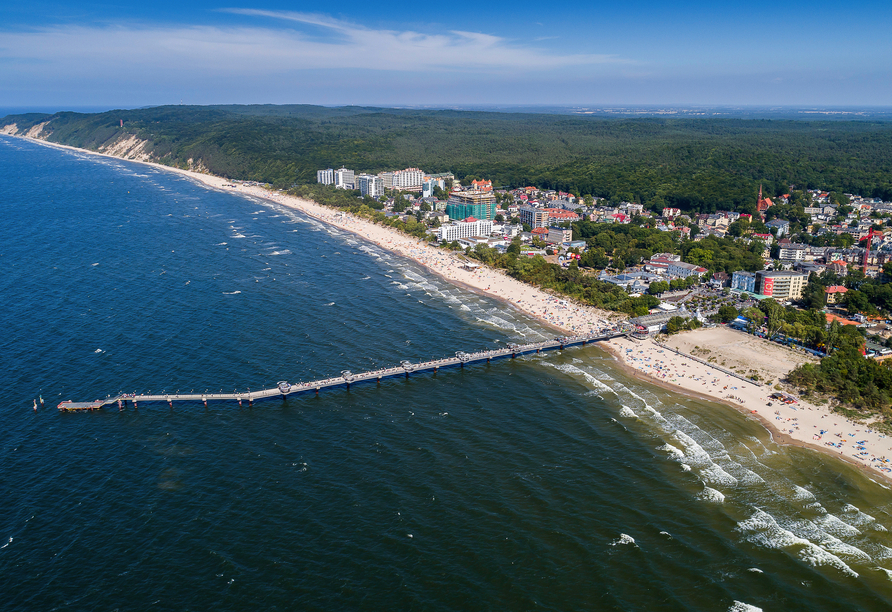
pixel 370 185
pixel 325 177
pixel 410 179
pixel 464 229
pixel 344 179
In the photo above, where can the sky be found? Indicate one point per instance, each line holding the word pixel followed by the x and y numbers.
pixel 80 54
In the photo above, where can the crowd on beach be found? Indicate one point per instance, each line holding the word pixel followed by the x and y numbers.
pixel 802 422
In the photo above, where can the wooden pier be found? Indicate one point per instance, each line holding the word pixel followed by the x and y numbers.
pixel 347 378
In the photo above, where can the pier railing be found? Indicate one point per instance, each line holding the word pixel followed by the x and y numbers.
pixel 347 378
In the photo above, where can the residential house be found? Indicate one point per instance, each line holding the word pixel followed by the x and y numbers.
pixel 835 293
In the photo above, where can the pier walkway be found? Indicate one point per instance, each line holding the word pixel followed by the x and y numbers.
pixel 347 378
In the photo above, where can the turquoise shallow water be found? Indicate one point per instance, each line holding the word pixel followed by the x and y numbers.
pixel 554 482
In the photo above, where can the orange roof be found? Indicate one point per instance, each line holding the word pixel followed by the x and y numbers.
pixel 835 289
pixel 540 230
pixel 832 317
pixel 839 262
pixel 469 220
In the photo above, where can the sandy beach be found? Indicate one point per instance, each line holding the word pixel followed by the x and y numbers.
pixel 802 423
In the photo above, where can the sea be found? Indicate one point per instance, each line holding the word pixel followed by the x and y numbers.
pixel 550 482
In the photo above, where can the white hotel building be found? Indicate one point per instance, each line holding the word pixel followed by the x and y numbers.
pixel 464 229
pixel 370 185
pixel 325 177
pixel 344 179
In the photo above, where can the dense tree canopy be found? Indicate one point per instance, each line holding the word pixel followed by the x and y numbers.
pixel 694 164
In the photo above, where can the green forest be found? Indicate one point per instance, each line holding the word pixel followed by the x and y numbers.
pixel 698 165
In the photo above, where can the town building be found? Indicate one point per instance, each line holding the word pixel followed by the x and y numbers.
pixel 464 229
pixel 719 280
pixel 744 281
pixel 345 179
pixel 792 252
pixel 781 225
pixel 763 204
pixel 559 235
pixel 659 263
pixel 838 267
pixel 370 185
pixel 325 177
pixel 560 215
pixel 479 204
pixel 656 322
pixel 681 269
pixel 780 284
pixel 386 179
pixel 534 217
pixel 410 179
pixel 835 294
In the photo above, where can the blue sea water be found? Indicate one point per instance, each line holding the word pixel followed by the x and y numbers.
pixel 549 482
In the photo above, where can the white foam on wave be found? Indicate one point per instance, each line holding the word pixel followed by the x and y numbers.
pixel 231 292
pixel 749 477
pixel 762 529
pixel 624 539
pixel 283 252
pixel 694 453
pixel 569 368
pixel 621 387
pixel 238 235
pixel 855 517
pixel 627 412
pixel 658 417
pixel 739 606
pixel 716 475
pixel 832 524
pixel 812 532
pixel 674 452
pixel 802 493
pixel 685 467
pixel 711 495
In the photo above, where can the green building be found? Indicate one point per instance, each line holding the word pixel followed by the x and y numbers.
pixel 477 204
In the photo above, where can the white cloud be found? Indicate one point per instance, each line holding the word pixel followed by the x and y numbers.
pixel 273 50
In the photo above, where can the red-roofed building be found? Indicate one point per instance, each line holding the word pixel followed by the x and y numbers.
pixel 839 267
pixel 763 204
pixel 835 293
pixel 832 317
pixel 560 215
pixel 481 185
pixel 540 232
pixel 469 220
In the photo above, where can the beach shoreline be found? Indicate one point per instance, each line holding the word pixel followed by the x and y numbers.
pixel 637 358
pixel 803 425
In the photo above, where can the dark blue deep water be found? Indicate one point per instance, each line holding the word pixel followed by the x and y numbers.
pixel 545 483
